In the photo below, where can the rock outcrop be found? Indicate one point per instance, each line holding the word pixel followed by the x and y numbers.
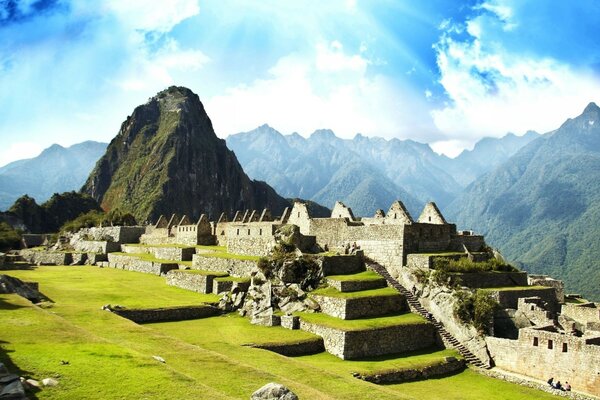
pixel 274 391
pixel 167 159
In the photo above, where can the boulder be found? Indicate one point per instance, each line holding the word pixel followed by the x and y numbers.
pixel 274 391
pixel 49 382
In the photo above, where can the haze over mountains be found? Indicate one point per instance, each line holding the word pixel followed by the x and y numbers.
pixel 57 169
pixel 542 206
pixel 365 173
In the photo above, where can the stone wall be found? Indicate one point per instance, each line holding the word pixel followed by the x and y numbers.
pixel 510 298
pixel 232 266
pixel 444 368
pixel 134 264
pixel 544 280
pixel 117 234
pixel 530 355
pixel 354 286
pixel 361 307
pixel 342 265
pixel 96 246
pixel 162 253
pixel 253 246
pixel 301 348
pixel 150 315
pixel 375 342
pixel 582 313
pixel 478 280
pixel 43 257
pixel 195 282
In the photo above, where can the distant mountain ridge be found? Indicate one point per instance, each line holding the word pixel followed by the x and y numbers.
pixel 366 173
pixel 57 169
pixel 542 206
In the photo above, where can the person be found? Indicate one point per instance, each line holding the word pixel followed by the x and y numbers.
pixel 567 387
pixel 551 382
pixel 353 249
pixel 414 290
pixel 347 248
pixel 558 386
pixel 429 316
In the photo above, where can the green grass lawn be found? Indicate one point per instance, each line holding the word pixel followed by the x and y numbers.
pixel 232 279
pixel 363 323
pixel 361 276
pixel 333 292
pixel 111 357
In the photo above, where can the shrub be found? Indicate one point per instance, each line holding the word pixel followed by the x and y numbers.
pixel 476 309
pixel 9 238
pixel 465 265
pixel 87 220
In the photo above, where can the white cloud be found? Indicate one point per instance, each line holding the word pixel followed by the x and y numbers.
pixel 493 91
pixel 151 15
pixel 329 88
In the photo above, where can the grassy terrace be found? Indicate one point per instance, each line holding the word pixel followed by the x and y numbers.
pixel 232 279
pixel 221 275
pixel 148 257
pixel 363 323
pixel 361 276
pixel 218 254
pixel 333 292
pixel 111 357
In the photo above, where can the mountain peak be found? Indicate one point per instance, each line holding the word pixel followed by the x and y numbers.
pixel 326 134
pixel 591 107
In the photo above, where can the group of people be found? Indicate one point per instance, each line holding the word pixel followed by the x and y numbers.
pixel 557 385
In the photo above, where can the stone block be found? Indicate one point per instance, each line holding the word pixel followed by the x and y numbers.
pixel 290 321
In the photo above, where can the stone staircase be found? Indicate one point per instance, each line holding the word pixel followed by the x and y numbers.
pixel 416 307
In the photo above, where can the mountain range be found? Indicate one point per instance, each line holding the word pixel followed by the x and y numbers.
pixel 365 173
pixel 57 169
pixel 542 206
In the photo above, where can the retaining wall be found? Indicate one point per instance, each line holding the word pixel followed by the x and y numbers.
pixel 375 342
pixel 440 369
pixel 478 280
pixel 342 265
pixel 42 257
pixel 167 314
pixel 134 264
pixel 194 282
pixel 361 307
pixel 231 266
pixel 302 348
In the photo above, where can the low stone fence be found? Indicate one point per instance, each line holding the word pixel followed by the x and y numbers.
pixel 342 265
pixel 305 347
pixel 374 342
pixel 135 264
pixel 447 367
pixel 360 307
pixel 149 315
pixel 42 257
pixel 231 266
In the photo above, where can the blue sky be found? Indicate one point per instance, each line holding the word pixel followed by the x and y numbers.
pixel 435 71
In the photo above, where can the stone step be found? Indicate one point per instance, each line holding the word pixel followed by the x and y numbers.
pixel 363 304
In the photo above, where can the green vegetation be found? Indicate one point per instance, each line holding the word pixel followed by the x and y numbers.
pixel 516 288
pixel 54 213
pixel 232 279
pixel 9 238
pixel 465 265
pixel 98 218
pixel 111 357
pixel 333 292
pixel 363 323
pixel 476 308
pixel 361 276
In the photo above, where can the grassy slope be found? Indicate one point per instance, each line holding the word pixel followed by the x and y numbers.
pixel 110 357
pixel 361 276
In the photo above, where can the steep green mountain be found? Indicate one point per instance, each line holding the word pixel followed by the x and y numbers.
pixel 167 159
pixel 542 206
pixel 323 167
pixel 57 169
